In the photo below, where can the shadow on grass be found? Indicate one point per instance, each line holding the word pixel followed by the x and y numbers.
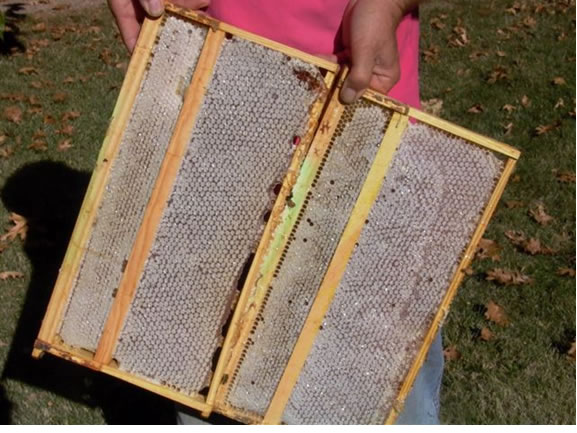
pixel 5 407
pixel 49 196
pixel 10 42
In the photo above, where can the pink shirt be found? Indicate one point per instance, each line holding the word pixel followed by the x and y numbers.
pixel 312 26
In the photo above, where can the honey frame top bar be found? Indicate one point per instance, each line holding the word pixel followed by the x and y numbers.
pixel 444 125
pixel 227 28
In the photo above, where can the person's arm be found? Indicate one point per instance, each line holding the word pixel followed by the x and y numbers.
pixel 369 38
pixel 130 13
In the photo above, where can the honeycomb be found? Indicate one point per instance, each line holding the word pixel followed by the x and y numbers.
pixel 423 219
pixel 310 248
pixel 241 147
pixel 141 152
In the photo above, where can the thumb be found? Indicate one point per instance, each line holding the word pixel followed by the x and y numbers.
pixel 359 78
pixel 154 8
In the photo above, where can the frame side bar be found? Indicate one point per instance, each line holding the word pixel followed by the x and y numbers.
pixel 80 357
pixel 93 197
pixel 274 220
pixel 215 24
pixel 336 269
pixel 459 131
pixel 451 292
pixel 155 207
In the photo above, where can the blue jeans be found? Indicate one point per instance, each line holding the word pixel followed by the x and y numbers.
pixel 421 406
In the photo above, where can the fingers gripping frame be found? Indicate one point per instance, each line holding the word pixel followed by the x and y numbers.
pixel 298 193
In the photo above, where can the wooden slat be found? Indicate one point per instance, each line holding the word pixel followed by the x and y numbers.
pixel 451 292
pixel 84 358
pixel 237 414
pixel 93 197
pixel 446 126
pixel 253 293
pixel 385 101
pixel 274 220
pixel 337 266
pixel 162 189
pixel 215 24
pixel 461 132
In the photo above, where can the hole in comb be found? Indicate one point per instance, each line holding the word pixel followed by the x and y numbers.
pixel 244 273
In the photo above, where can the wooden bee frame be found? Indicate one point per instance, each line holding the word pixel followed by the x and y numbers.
pixel 305 165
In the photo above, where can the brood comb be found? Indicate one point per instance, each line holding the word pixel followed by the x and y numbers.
pixel 250 246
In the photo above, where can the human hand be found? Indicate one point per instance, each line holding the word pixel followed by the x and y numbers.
pixel 129 15
pixel 370 45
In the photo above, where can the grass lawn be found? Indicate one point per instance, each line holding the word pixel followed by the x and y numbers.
pixel 502 68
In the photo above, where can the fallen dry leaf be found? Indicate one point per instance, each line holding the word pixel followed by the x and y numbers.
pixel 437 23
pixel 500 53
pixel 19 229
pixel 571 351
pixel 508 128
pixel 64 145
pixel 39 134
pixel 13 114
pixel 530 22
pixel 478 55
pixel 60 97
pixel 559 81
pixel 10 275
pixel 476 109
pixel 538 214
pixel 533 246
pixel 497 74
pixel 40 27
pixel 566 272
pixel 6 152
pixel 488 249
pixel 49 119
pixel 66 130
pixel 486 334
pixel 34 110
pixel 544 129
pixel 14 97
pixel 507 277
pixel 451 353
pixel 36 84
pixel 460 38
pixel 33 100
pixel 496 314
pixel 38 146
pixel 70 115
pixel 560 103
pixel 28 70
pixel 516 237
pixel 509 108
pixel 565 177
pixel 525 101
pixel 431 54
pixel 433 106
